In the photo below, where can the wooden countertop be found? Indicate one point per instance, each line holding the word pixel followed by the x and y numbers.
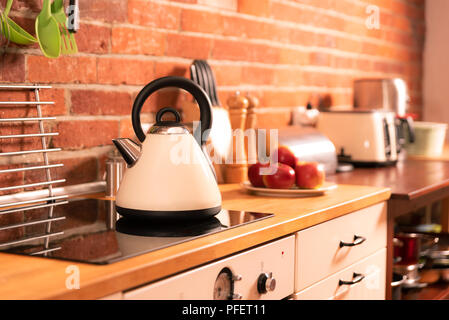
pixel 408 180
pixel 24 277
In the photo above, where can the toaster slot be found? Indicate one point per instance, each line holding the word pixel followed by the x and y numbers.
pixel 387 139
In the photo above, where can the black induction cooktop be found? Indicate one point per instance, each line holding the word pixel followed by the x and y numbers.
pixel 93 232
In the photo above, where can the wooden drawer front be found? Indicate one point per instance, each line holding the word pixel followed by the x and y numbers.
pixel 277 257
pixel 372 287
pixel 318 248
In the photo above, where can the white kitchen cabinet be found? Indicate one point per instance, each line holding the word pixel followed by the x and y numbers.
pixel 326 248
pixel 367 275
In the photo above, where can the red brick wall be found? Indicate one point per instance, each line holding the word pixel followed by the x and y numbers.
pixel 286 52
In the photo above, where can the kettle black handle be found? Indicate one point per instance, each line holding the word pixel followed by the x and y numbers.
pixel 180 82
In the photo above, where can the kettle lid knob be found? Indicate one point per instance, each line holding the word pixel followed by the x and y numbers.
pixel 168 126
pixel 163 111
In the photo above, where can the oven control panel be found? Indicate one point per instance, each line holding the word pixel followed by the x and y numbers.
pixel 265 272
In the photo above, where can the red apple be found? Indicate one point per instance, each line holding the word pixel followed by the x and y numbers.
pixel 309 175
pixel 283 177
pixel 255 176
pixel 286 156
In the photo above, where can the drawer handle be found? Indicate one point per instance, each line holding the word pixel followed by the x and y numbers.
pixel 357 240
pixel 356 278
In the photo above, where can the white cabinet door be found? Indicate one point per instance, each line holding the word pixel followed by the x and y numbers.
pixel 326 248
pixel 368 276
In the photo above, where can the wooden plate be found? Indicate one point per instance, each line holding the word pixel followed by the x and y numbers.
pixel 294 192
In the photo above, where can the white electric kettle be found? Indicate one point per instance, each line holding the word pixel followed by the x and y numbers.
pixel 168 176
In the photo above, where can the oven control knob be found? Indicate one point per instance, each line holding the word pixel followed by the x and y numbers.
pixel 266 283
pixel 236 277
pixel 236 296
pixel 224 285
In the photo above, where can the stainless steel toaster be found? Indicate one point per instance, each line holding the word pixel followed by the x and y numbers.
pixel 386 94
pixel 362 137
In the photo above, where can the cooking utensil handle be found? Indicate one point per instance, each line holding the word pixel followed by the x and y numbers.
pixel 193 73
pixel 178 82
pixel 46 10
pixel 73 14
pixel 8 8
pixel 429 240
pixel 358 240
pixel 356 278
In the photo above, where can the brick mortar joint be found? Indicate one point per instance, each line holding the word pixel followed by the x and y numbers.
pixel 303 27
pixel 161 59
pixel 336 52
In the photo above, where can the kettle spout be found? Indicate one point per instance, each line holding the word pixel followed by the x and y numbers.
pixel 129 150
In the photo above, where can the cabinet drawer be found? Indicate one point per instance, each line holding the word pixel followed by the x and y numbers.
pixel 371 287
pixel 277 257
pixel 319 250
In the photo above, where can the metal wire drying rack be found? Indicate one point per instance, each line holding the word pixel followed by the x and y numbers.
pixel 47 199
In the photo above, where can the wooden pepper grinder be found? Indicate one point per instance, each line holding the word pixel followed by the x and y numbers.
pixel 236 164
pixel 251 142
pixel 251 113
